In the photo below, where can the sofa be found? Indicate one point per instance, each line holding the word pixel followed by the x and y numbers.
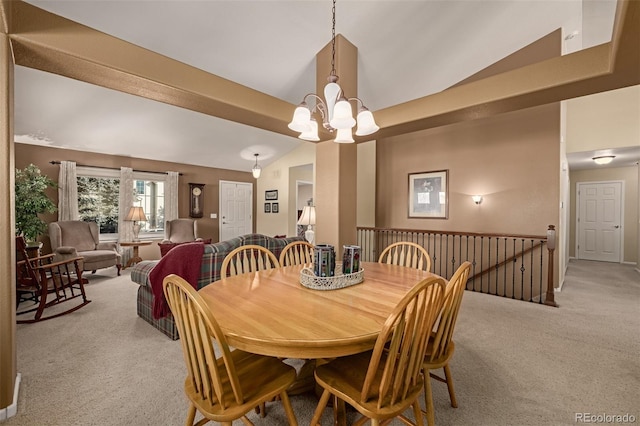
pixel 212 259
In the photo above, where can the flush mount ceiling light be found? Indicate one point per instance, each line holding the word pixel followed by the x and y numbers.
pixel 335 108
pixel 256 170
pixel 604 159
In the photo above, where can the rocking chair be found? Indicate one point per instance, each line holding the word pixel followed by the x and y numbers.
pixel 47 283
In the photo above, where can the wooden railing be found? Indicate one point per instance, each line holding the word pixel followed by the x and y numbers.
pixel 515 266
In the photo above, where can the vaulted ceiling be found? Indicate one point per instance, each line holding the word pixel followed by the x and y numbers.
pixel 228 74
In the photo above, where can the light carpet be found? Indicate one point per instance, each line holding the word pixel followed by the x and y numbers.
pixel 516 363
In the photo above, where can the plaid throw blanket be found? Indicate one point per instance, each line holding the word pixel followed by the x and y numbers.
pixel 183 260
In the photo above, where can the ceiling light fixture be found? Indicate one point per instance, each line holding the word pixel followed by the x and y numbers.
pixel 335 109
pixel 256 170
pixel 604 159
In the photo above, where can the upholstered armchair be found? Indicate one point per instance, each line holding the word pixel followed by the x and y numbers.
pixel 77 238
pixel 179 231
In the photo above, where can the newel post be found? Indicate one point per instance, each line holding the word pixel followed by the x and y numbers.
pixel 551 246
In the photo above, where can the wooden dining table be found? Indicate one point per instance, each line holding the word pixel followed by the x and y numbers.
pixel 270 313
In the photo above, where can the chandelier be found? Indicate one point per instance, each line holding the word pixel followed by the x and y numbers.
pixel 256 169
pixel 335 109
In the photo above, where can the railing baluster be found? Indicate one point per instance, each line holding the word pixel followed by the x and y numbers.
pixel 446 250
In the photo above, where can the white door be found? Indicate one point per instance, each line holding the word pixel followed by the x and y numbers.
pixel 236 209
pixel 599 221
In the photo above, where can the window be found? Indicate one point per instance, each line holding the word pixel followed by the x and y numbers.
pixel 98 197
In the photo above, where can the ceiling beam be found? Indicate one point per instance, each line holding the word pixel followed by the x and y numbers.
pixel 598 69
pixel 51 43
pixel 48 42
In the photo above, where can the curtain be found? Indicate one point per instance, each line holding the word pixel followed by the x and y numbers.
pixel 67 191
pixel 171 196
pixel 125 202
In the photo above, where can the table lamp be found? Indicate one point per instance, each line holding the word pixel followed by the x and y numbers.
pixel 136 214
pixel 308 217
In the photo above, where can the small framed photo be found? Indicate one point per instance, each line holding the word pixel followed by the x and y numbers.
pixel 429 194
pixel 267 207
pixel 271 195
pixel 275 208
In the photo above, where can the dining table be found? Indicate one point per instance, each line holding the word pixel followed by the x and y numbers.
pixel 270 312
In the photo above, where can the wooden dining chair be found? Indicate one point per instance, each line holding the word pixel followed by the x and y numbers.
pixel 441 347
pixel 406 253
pixel 382 383
pixel 47 282
pixel 226 388
pixel 248 258
pixel 296 253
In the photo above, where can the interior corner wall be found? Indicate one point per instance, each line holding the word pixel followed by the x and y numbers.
pixel 629 175
pixel 512 160
pixel 276 176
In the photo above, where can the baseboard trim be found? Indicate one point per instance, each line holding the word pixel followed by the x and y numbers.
pixel 11 410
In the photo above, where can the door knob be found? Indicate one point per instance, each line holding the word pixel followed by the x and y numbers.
pixel 617 226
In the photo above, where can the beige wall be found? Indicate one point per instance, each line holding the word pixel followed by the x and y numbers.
pixel 277 175
pixel 605 120
pixel 511 160
pixel 41 156
pixel 629 175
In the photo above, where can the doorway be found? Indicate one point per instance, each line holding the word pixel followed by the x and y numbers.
pixel 599 221
pixel 236 209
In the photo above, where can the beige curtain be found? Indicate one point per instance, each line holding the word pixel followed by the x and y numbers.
pixel 171 196
pixel 67 191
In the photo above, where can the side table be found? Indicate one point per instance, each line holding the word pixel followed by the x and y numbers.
pixel 136 256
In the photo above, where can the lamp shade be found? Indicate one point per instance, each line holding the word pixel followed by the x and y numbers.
pixel 344 136
pixel 301 118
pixel 366 124
pixel 308 216
pixel 256 171
pixel 136 214
pixel 342 115
pixel 312 134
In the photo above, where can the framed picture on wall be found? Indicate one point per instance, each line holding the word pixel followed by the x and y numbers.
pixel 429 194
pixel 271 195
pixel 267 207
pixel 275 208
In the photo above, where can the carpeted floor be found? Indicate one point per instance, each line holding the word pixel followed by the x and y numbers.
pixel 516 363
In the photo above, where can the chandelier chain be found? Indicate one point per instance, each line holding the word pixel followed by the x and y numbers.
pixel 333 40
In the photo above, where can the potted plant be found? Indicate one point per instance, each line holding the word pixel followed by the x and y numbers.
pixel 31 200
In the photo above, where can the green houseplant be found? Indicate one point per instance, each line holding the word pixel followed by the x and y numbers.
pixel 32 200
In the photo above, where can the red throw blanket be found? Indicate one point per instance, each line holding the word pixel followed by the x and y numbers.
pixel 185 261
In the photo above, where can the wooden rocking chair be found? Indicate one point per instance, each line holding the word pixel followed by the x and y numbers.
pixel 47 283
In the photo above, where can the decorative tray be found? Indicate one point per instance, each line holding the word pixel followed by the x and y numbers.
pixel 340 280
